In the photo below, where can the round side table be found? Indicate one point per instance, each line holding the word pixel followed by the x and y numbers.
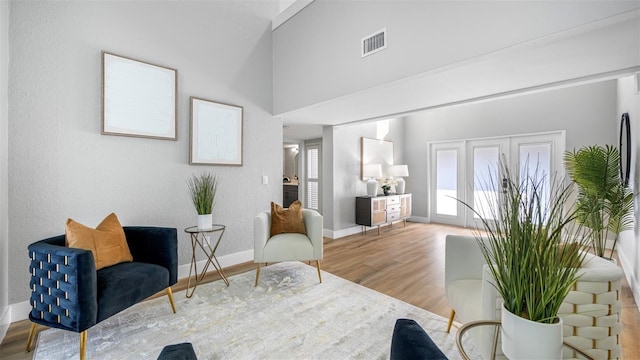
pixel 202 238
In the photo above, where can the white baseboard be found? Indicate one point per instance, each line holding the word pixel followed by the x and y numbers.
pixel 225 261
pixel 20 311
pixel 418 219
pixel 5 320
pixel 342 233
pixel 13 313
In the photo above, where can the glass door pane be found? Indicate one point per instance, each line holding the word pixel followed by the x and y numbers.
pixel 535 168
pixel 485 176
pixel 446 182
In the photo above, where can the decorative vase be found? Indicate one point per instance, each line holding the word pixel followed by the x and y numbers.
pixel 518 334
pixel 386 192
pixel 205 221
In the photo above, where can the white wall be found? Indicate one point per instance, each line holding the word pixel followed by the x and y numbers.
pixel 343 158
pixel 4 236
pixel 628 246
pixel 60 164
pixel 317 53
pixel 585 112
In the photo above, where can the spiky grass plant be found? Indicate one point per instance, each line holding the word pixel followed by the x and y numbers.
pixel 605 203
pixel 522 235
pixel 202 189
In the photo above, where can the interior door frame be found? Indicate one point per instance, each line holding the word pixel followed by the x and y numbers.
pixel 433 148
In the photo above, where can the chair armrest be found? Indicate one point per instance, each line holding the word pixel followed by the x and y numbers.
pixel 261 234
pixel 63 285
pixel 313 223
pixel 154 245
pixel 410 341
pixel 462 259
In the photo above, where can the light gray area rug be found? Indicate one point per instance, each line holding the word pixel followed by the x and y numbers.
pixel 288 316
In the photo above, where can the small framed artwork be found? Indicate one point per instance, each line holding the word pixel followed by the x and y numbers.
pixel 216 133
pixel 138 99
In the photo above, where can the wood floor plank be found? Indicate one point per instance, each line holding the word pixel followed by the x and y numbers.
pixel 406 263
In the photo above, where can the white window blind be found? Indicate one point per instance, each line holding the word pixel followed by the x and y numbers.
pixel 313 176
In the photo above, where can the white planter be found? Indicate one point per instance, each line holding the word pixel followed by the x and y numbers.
pixel 526 339
pixel 205 221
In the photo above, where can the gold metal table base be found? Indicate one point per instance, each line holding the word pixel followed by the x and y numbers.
pixel 497 323
pixel 200 238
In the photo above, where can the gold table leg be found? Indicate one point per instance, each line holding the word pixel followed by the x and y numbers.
pixel 196 241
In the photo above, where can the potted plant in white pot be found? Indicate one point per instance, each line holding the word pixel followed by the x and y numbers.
pixel 202 190
pixel 523 227
pixel 605 203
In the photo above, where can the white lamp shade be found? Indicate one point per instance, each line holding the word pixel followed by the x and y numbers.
pixel 399 170
pixel 372 171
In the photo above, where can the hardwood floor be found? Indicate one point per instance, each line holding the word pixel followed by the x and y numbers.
pixel 403 262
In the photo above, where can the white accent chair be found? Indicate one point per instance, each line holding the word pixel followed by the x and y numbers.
pixel 590 313
pixel 287 247
pixel 468 289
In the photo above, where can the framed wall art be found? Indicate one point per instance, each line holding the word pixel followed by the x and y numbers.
pixel 138 99
pixel 216 133
pixel 374 151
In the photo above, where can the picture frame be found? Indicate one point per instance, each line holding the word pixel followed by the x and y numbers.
pixel 374 151
pixel 139 99
pixel 216 133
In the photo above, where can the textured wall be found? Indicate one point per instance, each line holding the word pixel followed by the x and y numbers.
pixel 344 161
pixel 585 113
pixel 60 164
pixel 4 239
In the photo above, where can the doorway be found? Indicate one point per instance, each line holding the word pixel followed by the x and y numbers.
pixel 290 179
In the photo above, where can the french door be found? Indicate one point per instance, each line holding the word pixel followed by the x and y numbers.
pixel 468 171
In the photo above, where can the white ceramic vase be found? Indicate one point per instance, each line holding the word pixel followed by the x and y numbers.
pixel 205 221
pixel 526 339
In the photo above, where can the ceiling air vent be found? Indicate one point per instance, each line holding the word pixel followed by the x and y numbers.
pixel 373 43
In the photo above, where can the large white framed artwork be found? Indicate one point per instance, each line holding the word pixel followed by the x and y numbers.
pixel 216 133
pixel 138 99
pixel 374 151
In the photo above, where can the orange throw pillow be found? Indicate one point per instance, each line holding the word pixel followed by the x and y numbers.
pixel 287 220
pixel 107 241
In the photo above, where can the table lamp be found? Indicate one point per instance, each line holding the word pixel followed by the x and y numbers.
pixel 398 172
pixel 373 172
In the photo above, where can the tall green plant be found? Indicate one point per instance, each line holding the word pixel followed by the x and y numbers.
pixel 202 189
pixel 522 235
pixel 605 204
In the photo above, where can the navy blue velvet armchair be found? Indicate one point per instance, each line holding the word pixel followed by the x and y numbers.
pixel 68 293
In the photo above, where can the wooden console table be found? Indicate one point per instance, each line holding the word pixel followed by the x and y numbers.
pixel 379 210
